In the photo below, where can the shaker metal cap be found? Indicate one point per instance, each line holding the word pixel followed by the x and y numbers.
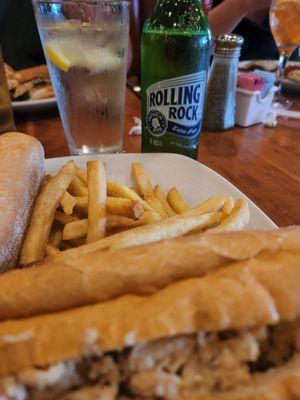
pixel 228 43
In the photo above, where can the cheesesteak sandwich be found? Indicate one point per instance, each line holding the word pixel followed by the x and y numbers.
pixel 98 275
pixel 231 334
pixel 29 83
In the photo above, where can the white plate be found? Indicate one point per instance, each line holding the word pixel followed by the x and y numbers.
pixel 194 180
pixel 34 105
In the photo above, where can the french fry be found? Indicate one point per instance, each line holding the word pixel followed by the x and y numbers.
pixel 51 250
pixel 213 204
pixel 165 229
pixel 43 214
pixel 75 230
pixel 137 211
pixel 77 187
pixel 236 220
pixel 149 218
pixel 156 205
pixel 82 175
pixel 102 244
pixel 81 204
pixel 228 205
pixel 64 218
pixel 96 171
pixel 163 201
pixel 124 207
pixel 177 202
pixel 142 181
pixel 129 216
pixel 67 203
pixel 79 229
pixel 115 189
pixel 134 189
pixel 56 238
pixel 117 221
pixel 114 205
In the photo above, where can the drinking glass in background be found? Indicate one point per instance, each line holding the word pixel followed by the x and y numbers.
pixel 85 44
pixel 284 23
pixel 207 6
pixel 6 114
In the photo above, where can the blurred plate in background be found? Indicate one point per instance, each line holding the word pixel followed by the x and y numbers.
pixel 33 105
pixel 289 84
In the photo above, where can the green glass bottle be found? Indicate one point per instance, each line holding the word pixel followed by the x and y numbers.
pixel 176 47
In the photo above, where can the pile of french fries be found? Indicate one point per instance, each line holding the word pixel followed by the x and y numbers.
pixel 80 207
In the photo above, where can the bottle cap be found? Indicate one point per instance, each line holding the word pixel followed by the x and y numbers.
pixel 228 44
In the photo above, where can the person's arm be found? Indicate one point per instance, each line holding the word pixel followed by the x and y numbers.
pixel 147 8
pixel 225 17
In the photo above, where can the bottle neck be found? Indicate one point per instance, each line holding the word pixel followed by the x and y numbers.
pixel 197 3
pixel 181 5
pixel 180 15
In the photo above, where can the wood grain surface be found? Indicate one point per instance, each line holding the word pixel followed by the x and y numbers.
pixel 262 162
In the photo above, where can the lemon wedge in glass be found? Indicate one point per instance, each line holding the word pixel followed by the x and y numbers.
pixel 57 57
pixel 68 53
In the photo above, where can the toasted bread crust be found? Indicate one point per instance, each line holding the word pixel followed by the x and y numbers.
pixel 28 74
pixel 241 246
pixel 246 294
pixel 44 92
pixel 100 276
pixel 21 172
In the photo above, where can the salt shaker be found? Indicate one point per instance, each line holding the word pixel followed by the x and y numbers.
pixel 219 113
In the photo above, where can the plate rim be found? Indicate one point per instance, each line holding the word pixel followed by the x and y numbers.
pixel 33 104
pixel 271 223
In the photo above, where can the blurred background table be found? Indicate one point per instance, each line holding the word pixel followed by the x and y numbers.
pixel 262 162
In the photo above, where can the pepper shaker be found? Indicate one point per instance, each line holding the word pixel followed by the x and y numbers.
pixel 219 112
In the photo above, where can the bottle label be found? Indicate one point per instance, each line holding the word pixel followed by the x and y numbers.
pixel 176 105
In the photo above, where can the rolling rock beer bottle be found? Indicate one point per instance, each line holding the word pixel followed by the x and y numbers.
pixel 176 47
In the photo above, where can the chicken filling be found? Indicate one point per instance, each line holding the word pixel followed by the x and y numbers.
pixel 188 364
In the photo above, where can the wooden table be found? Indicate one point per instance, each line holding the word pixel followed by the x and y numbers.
pixel 263 163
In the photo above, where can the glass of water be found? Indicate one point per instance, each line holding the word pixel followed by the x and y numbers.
pixel 85 44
